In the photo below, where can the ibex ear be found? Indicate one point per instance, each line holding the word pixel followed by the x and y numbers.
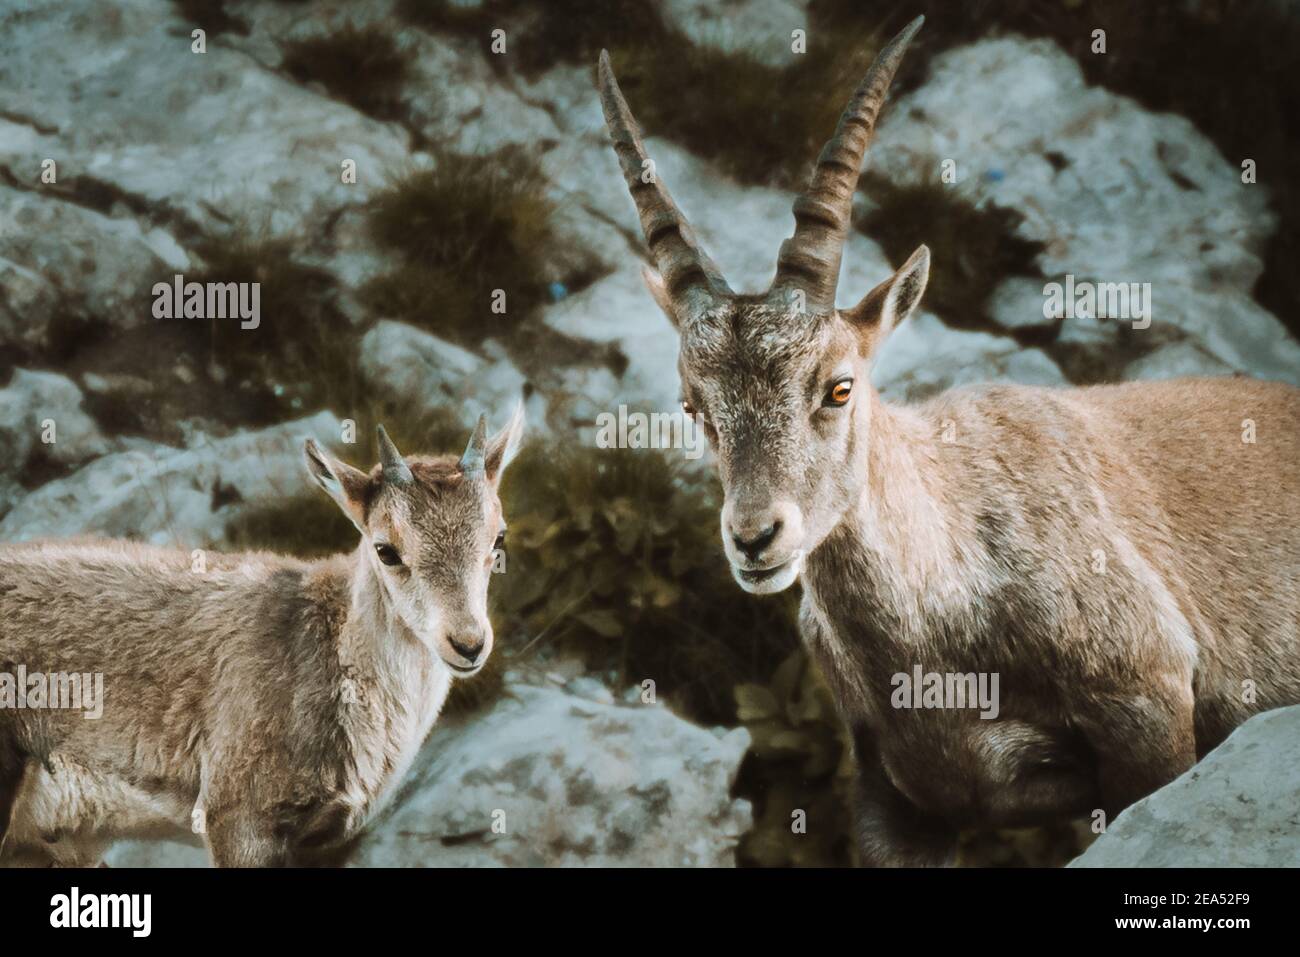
pixel 341 482
pixel 892 301
pixel 501 448
pixel 655 283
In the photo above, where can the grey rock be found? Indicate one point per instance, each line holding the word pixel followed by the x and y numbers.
pixel 1029 134
pixel 168 496
pixel 759 28
pixel 1176 360
pixel 425 372
pixel 31 402
pixel 566 780
pixel 1238 807
pixel 922 357
pixel 574 782
pixel 57 257
pixel 591 689
pixel 235 140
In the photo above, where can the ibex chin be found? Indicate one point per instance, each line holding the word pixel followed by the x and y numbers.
pixel 1126 559
pixel 267 703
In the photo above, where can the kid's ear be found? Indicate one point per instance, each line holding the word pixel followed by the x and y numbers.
pixel 655 283
pixel 891 302
pixel 341 482
pixel 501 448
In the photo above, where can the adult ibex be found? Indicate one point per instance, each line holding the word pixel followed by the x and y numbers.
pixel 268 703
pixel 1126 559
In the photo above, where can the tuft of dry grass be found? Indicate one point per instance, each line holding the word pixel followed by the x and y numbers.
pixel 302 355
pixel 469 226
pixel 212 16
pixel 363 66
pixel 542 33
pixel 972 250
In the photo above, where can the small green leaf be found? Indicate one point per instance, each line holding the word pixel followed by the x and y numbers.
pixel 603 622
pixel 754 703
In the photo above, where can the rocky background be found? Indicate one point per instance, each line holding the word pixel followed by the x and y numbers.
pixel 640 708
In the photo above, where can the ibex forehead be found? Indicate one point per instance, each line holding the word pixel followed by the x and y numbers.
pixel 439 487
pixel 437 517
pixel 757 335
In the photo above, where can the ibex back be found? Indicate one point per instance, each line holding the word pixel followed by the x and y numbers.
pixel 1125 559
pixel 267 703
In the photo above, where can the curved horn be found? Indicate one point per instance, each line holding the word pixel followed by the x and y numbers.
pixel 474 460
pixel 394 466
pixel 689 274
pixel 810 259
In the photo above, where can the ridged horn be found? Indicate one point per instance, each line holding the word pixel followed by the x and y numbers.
pixel 809 261
pixel 689 274
pixel 394 466
pixel 474 461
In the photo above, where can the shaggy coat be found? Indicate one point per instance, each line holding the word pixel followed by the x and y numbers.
pixel 266 704
pixel 1125 560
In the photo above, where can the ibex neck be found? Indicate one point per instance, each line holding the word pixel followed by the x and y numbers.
pixel 895 539
pixel 374 638
pixel 393 688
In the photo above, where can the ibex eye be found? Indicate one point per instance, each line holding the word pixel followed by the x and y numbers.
pixel 500 543
pixel 688 408
pixel 387 554
pixel 839 393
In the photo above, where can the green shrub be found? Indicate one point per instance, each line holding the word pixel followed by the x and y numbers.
pixel 799 761
pixel 1051 845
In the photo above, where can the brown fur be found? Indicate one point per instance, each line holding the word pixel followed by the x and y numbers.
pixel 1118 556
pixel 962 536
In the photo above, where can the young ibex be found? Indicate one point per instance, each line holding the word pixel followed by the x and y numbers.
pixel 1124 558
pixel 268 703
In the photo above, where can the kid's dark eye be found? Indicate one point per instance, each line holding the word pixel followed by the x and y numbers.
pixel 839 393
pixel 500 543
pixel 387 554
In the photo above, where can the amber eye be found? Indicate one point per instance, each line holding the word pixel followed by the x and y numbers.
pixel 687 407
pixel 387 554
pixel 839 393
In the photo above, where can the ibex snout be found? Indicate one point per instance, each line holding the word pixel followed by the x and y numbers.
pixel 762 539
pixel 466 646
pixel 752 547
pixel 469 648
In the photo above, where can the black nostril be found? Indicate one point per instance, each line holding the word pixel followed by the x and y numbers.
pixel 469 650
pixel 755 545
